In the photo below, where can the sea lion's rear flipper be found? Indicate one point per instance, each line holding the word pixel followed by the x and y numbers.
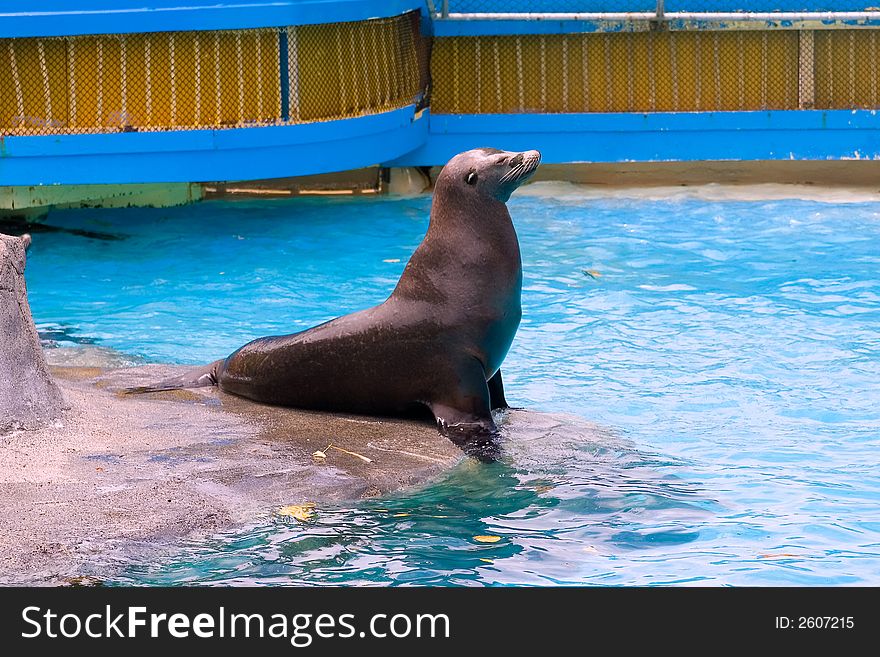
pixel 198 377
pixel 464 415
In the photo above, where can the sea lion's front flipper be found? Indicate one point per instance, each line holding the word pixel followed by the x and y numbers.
pixel 464 415
pixel 477 439
pixel 496 393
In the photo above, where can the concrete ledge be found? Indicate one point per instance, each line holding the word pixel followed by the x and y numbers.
pixel 862 175
pixel 35 200
pixel 119 477
pixel 356 181
pixel 830 173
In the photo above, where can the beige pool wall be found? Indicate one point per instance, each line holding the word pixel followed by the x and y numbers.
pixel 796 178
pixel 861 176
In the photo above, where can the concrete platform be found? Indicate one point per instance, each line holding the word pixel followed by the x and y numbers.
pixel 120 474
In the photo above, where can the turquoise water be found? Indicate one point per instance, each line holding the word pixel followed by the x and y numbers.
pixel 732 347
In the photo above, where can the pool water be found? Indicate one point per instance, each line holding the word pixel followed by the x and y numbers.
pixel 731 347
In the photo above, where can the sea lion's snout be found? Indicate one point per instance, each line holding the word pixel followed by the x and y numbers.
pixel 531 159
pixel 530 162
pixel 521 167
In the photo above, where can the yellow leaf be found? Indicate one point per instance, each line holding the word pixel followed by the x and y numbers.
pixel 486 560
pixel 400 515
pixel 301 512
pixel 592 273
pixel 319 455
pixel 355 454
pixel 487 539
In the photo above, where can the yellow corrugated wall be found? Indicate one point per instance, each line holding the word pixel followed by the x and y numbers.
pixel 652 71
pixel 847 71
pixel 347 67
pixel 154 81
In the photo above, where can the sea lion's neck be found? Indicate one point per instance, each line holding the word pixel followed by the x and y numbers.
pixel 454 213
pixel 470 254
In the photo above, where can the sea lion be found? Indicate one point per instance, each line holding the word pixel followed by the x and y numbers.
pixel 438 341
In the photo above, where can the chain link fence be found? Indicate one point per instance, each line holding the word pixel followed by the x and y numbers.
pixel 210 79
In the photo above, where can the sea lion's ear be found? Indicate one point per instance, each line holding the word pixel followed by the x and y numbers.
pixel 26 240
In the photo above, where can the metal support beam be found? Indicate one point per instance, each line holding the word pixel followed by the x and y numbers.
pixel 806 70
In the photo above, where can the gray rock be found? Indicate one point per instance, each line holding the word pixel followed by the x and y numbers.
pixel 29 398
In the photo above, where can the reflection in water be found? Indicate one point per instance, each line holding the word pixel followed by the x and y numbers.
pixel 56 335
pixel 562 485
pixel 13 226
pixel 65 346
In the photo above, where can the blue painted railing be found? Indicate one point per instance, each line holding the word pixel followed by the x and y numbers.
pixel 69 17
pixel 212 155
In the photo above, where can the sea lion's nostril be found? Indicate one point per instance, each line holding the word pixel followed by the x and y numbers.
pixel 516 160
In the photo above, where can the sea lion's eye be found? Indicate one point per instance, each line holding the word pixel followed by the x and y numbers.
pixel 471 178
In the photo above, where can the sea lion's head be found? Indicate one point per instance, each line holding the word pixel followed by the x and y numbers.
pixel 488 172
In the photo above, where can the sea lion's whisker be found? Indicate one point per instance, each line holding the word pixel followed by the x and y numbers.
pixel 514 173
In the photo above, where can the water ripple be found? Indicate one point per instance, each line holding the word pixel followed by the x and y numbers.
pixel 731 348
